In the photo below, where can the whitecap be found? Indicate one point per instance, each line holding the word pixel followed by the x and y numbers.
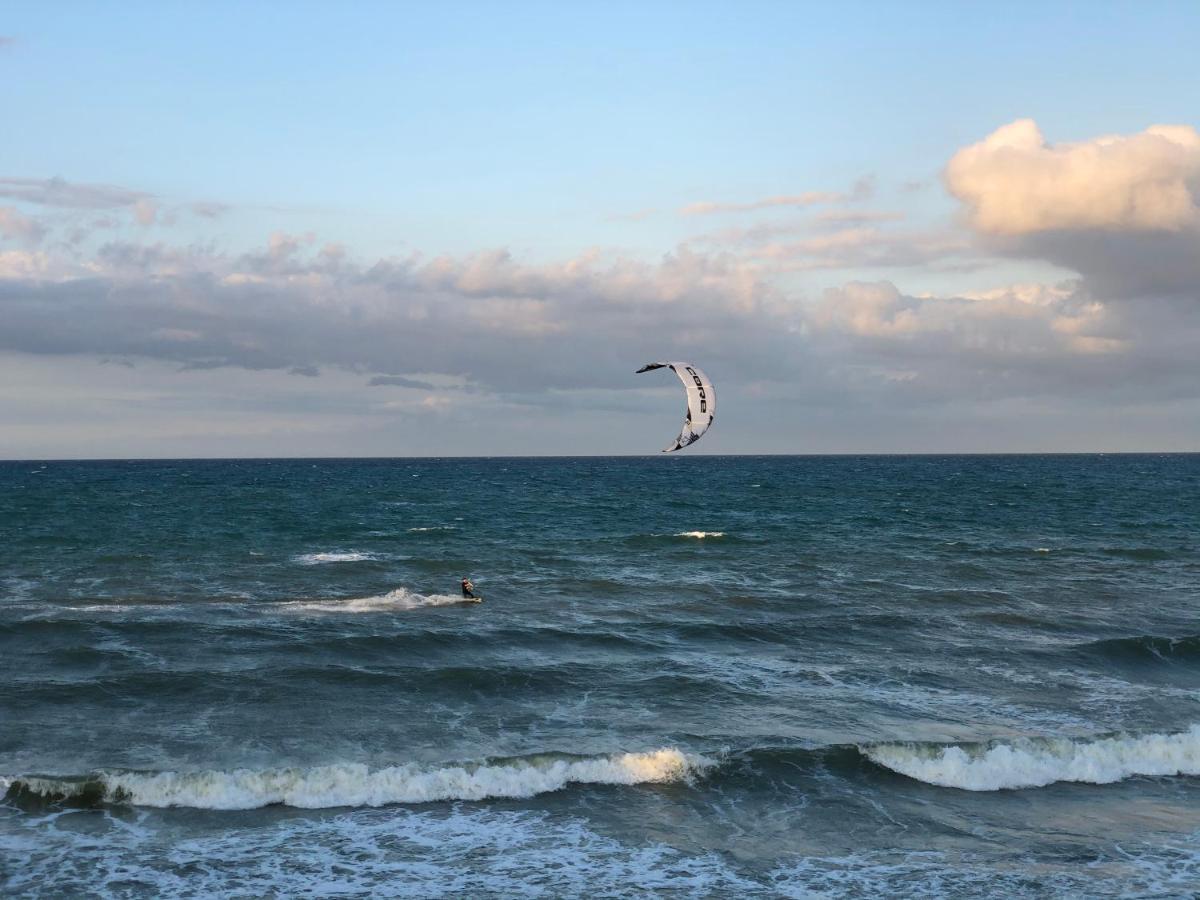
pixel 399 599
pixel 316 559
pixel 700 534
pixel 1036 762
pixel 357 785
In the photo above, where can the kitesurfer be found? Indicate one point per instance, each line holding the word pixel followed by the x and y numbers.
pixel 468 589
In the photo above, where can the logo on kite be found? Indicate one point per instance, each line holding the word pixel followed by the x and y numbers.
pixel 701 402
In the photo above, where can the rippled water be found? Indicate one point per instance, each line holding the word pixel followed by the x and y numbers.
pixel 753 676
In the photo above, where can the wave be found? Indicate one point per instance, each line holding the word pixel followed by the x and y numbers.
pixel 399 599
pixel 1144 648
pixel 1037 762
pixel 354 784
pixel 700 534
pixel 316 559
pixel 432 528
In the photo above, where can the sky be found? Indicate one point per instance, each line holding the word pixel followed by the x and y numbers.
pixel 458 229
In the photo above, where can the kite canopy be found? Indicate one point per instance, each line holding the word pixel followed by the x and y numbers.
pixel 701 401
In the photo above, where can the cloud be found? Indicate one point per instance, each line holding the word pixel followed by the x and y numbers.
pixel 61 193
pixel 15 226
pixel 498 326
pixel 810 198
pixel 863 189
pixel 1017 341
pixel 843 217
pixel 870 247
pixel 401 381
pixel 208 210
pixel 1015 183
pixel 501 329
pixel 1121 210
pixel 489 318
pixel 145 211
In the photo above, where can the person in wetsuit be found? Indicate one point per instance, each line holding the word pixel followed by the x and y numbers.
pixel 468 589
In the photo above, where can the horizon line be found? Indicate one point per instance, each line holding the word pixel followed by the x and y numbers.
pixel 828 454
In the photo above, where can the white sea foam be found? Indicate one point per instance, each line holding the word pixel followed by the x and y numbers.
pixel 354 784
pixel 398 599
pixel 700 534
pixel 316 559
pixel 396 852
pixel 432 528
pixel 1038 762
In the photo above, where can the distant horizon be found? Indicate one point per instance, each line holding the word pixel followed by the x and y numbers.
pixel 841 454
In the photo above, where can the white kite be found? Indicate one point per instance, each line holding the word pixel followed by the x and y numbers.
pixel 701 402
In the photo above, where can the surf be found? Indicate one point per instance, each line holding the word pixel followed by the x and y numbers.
pixel 355 784
pixel 1038 762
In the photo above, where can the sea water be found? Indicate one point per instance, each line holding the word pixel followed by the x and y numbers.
pixel 690 676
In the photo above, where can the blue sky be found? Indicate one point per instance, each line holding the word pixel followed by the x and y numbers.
pixel 546 130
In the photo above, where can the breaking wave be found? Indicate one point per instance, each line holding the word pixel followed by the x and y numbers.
pixel 432 528
pixel 398 599
pixel 700 534
pixel 316 559
pixel 1036 762
pixel 353 784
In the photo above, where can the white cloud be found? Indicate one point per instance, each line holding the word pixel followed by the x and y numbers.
pixel 1015 183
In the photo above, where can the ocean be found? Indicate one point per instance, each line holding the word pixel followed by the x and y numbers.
pixel 691 676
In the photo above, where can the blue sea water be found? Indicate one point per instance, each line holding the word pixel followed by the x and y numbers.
pixel 690 676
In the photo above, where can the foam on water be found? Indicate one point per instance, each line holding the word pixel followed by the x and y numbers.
pixel 700 534
pixel 395 852
pixel 396 600
pixel 1037 762
pixel 400 852
pixel 354 784
pixel 432 528
pixel 316 559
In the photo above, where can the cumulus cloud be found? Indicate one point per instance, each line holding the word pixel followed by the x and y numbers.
pixel 494 324
pixel 1015 183
pixel 1020 340
pixel 459 328
pixel 487 317
pixel 1121 210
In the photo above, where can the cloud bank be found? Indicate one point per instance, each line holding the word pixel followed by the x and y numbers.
pixel 435 334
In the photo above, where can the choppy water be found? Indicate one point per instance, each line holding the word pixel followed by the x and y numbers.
pixel 780 676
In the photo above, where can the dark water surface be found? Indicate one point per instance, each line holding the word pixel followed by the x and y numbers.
pixel 749 676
